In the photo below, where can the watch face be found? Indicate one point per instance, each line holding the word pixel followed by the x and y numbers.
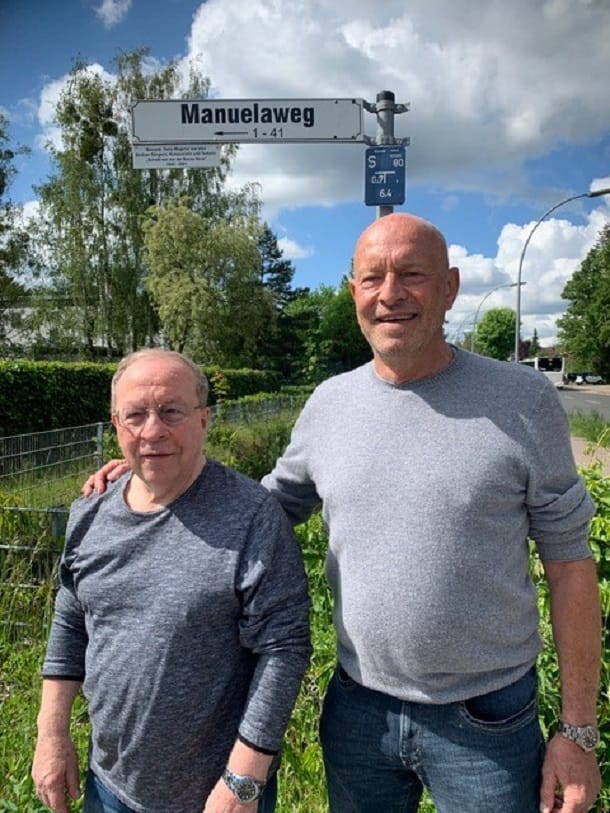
pixel 590 737
pixel 246 790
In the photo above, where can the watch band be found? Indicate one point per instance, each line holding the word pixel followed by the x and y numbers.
pixel 585 736
pixel 244 788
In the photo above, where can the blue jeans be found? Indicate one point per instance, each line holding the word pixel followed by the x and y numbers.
pixel 98 799
pixel 482 755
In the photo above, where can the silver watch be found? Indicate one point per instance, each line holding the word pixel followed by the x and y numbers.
pixel 585 736
pixel 244 788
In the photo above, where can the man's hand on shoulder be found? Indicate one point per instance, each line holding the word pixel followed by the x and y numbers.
pixel 109 472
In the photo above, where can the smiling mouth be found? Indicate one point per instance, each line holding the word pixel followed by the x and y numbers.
pixel 404 317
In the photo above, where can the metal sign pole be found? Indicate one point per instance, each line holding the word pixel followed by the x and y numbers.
pixel 384 161
pixel 385 132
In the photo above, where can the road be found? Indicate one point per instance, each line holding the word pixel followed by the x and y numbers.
pixel 591 398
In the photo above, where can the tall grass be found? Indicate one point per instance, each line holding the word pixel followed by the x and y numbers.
pixel 591 426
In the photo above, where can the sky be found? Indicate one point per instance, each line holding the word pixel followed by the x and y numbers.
pixel 508 116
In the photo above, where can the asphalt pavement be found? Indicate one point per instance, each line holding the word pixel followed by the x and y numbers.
pixel 587 398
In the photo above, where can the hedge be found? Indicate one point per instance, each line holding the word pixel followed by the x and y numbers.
pixel 40 395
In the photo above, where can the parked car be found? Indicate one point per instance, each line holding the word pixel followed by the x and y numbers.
pixel 588 378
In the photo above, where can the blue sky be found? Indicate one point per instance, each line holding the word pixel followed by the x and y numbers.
pixel 508 116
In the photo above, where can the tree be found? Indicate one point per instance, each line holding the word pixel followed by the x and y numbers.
pixel 276 273
pixel 205 282
pixel 14 240
pixel 584 330
pixel 330 338
pixel 495 333
pixel 93 207
pixel 278 344
pixel 534 348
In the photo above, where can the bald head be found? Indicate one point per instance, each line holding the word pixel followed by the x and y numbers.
pixel 399 228
pixel 402 287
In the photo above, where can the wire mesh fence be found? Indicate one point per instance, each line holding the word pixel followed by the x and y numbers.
pixel 31 463
pixel 41 474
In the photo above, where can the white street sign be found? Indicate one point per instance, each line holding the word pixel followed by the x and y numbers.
pixel 247 120
pixel 172 156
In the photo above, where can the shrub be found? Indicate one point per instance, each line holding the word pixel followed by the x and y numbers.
pixel 40 395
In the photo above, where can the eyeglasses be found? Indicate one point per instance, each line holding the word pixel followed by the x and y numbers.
pixel 169 414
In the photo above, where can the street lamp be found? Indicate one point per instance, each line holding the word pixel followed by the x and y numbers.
pixel 476 313
pixel 594 194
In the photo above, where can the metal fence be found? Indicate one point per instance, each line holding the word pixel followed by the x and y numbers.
pixel 39 476
pixel 41 473
pixel 29 462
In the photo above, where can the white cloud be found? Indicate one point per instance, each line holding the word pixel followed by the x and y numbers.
pixel 554 253
pixel 291 250
pixel 485 99
pixel 527 78
pixel 112 12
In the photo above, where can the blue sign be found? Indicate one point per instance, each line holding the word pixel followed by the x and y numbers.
pixel 384 175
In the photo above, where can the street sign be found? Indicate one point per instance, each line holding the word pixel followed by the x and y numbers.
pixel 239 120
pixel 174 156
pixel 384 175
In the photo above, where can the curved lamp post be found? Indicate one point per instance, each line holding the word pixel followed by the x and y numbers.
pixel 476 313
pixel 594 194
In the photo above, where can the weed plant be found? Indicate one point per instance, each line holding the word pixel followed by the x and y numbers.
pixel 590 426
pixel 252 449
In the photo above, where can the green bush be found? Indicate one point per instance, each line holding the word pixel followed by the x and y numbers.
pixel 36 396
pixel 40 395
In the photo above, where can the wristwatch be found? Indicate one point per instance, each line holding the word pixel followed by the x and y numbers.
pixel 244 788
pixel 585 736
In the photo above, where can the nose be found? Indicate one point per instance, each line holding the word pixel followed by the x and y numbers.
pixel 391 290
pixel 153 426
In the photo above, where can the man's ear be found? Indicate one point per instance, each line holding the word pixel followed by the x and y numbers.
pixel 453 286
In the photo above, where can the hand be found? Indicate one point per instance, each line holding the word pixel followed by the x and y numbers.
pixel 575 773
pixel 221 800
pixel 55 771
pixel 109 472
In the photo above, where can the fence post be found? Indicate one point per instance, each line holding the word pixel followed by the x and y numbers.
pixel 59 520
pixel 100 445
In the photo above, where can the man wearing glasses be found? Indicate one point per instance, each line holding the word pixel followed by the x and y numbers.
pixel 183 614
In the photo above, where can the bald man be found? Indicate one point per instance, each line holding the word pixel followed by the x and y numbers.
pixel 434 467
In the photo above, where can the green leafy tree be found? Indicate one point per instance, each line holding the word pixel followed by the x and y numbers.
pixel 93 290
pixel 331 340
pixel 495 333
pixel 205 283
pixel 584 330
pixel 14 240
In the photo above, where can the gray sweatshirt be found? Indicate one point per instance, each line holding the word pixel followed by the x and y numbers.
pixel 188 625
pixel 430 491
